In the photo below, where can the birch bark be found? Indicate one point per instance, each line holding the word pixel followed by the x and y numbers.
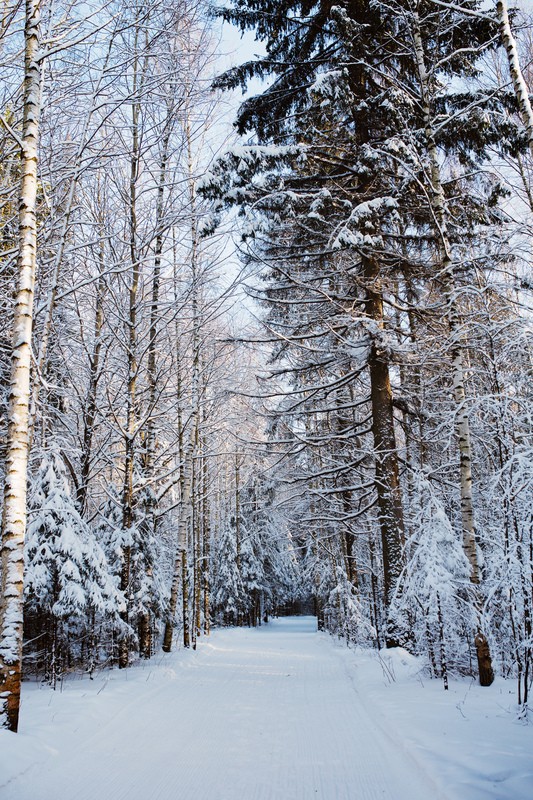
pixel 131 399
pixel 14 510
pixel 195 399
pixel 154 304
pixel 181 571
pixel 188 506
pixel 206 542
pixel 517 77
pixel 183 482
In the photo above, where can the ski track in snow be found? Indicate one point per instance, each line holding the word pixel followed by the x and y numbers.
pixel 265 714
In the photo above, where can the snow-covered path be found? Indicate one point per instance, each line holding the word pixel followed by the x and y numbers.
pixel 267 714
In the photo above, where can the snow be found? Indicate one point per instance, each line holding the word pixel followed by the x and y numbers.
pixel 280 712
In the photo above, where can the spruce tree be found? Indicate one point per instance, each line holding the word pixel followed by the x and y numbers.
pixel 68 588
pixel 228 595
pixel 349 180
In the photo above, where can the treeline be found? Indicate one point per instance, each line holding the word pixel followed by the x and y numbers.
pixel 385 188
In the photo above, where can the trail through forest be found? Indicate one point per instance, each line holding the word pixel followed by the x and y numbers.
pixel 275 713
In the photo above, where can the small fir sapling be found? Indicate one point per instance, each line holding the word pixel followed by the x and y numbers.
pixel 227 590
pixel 431 597
pixel 68 586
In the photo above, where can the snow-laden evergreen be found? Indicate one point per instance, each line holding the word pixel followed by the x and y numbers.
pixel 255 568
pixel 147 592
pixel 227 588
pixel 432 603
pixel 386 275
pixel 509 566
pixel 71 599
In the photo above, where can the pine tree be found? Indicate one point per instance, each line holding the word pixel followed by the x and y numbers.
pixel 147 591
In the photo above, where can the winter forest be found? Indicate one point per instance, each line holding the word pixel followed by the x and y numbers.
pixel 265 333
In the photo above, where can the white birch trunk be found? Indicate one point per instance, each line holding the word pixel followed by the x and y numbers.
pixel 133 367
pixel 517 77
pixel 180 575
pixel 154 309
pixel 206 541
pixel 14 511
pixel 195 378
pixel 90 409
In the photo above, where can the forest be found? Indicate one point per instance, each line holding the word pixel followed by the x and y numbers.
pixel 265 333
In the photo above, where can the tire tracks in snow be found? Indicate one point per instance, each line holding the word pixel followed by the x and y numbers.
pixel 382 725
pixel 267 714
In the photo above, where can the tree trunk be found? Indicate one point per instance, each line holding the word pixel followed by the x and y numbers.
pixel 131 399
pixel 145 635
pixel 176 576
pixel 14 511
pixel 185 598
pixel 442 641
pixel 517 77
pixel 385 451
pixel 196 553
pixel 181 572
pixel 238 463
pixel 206 542
pixel 374 607
pixel 461 421
pixel 94 374
pixel 154 305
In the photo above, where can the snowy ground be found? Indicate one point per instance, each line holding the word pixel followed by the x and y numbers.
pixel 278 713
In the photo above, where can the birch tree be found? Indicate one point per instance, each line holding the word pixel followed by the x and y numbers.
pixel 461 422
pixel 515 70
pixel 14 508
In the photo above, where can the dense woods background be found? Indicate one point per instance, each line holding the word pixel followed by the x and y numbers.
pixel 342 415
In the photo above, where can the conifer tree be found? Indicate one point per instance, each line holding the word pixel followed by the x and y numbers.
pixel 350 206
pixel 148 594
pixel 432 601
pixel 68 586
pixel 228 595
